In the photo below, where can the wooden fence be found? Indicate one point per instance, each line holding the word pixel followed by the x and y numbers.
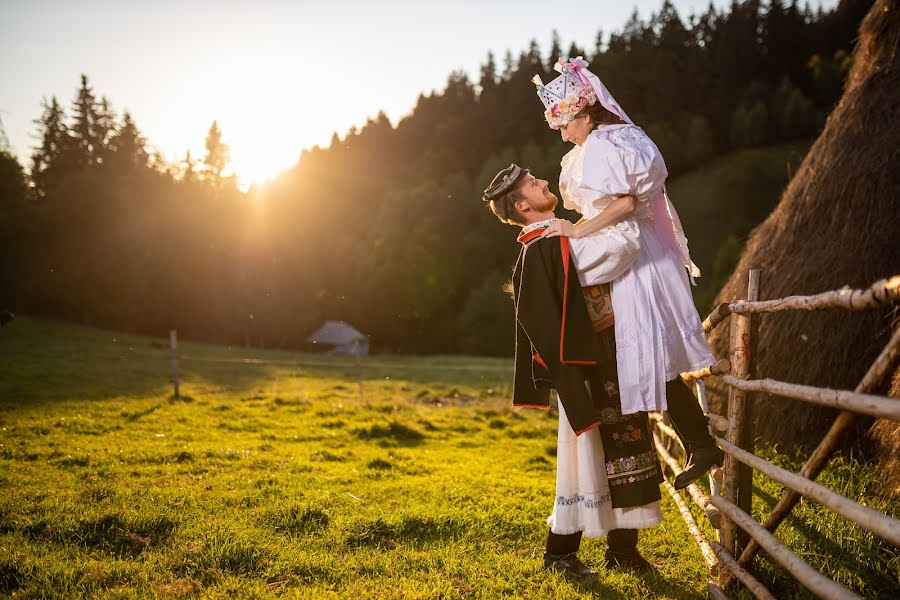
pixel 729 512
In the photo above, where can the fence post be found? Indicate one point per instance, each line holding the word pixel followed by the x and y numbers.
pixel 748 433
pixel 739 355
pixel 173 344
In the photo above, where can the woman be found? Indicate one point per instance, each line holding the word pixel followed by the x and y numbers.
pixel 614 172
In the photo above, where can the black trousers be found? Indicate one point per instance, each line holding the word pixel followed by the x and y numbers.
pixel 621 541
pixel 687 416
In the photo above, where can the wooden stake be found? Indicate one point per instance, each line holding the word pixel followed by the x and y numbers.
pixel 173 344
pixel 739 355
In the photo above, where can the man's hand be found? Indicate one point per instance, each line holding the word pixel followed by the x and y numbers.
pixel 560 227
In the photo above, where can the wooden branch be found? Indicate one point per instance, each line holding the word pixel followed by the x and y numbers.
pixel 880 293
pixel 718 474
pixel 721 367
pixel 700 499
pixel 717 422
pixel 712 563
pixel 880 524
pixel 805 574
pixel 867 404
pixel 715 592
pixel 881 369
pixel 717 315
pixel 726 561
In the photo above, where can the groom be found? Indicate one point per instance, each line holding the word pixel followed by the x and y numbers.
pixel 564 340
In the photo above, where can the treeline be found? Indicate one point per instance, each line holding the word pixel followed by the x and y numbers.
pixel 383 228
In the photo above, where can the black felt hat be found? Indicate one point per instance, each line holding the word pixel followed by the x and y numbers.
pixel 504 181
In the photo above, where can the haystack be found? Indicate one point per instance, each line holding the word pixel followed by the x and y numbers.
pixel 837 224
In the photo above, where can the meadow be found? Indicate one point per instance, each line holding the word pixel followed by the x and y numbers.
pixel 277 474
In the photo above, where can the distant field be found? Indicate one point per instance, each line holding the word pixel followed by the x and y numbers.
pixel 280 480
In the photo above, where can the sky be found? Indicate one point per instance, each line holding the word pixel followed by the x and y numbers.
pixel 277 75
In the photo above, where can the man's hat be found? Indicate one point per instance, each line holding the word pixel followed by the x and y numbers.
pixel 504 181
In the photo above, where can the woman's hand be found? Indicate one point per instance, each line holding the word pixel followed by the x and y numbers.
pixel 560 227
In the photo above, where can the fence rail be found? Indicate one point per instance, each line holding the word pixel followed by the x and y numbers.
pixel 731 510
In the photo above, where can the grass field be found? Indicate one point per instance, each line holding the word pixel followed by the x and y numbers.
pixel 280 480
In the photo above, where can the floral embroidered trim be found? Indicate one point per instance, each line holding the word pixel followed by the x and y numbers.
pixel 588 503
pixel 633 478
pixel 631 464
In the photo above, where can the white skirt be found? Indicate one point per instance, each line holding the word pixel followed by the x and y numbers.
pixel 658 331
pixel 583 501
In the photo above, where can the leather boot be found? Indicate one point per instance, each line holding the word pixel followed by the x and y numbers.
pixel 568 564
pixel 689 422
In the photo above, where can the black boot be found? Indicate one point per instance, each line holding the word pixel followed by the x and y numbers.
pixel 699 462
pixel 562 555
pixel 623 553
pixel 568 564
pixel 690 424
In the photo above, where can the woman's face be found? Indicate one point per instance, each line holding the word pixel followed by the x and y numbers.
pixel 577 129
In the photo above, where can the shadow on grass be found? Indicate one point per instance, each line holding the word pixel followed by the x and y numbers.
pixel 878 583
pixel 387 535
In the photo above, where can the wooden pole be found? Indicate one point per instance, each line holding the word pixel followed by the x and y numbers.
pixel 867 404
pixel 880 293
pixel 805 574
pixel 718 315
pixel 173 345
pixel 715 422
pixel 721 367
pixel 712 563
pixel 747 438
pixel 878 523
pixel 700 499
pixel 739 350
pixel 881 369
pixel 726 561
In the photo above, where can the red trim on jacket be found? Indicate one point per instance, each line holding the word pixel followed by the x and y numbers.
pixel 595 425
pixel 564 246
pixel 537 358
pixel 527 238
pixel 540 406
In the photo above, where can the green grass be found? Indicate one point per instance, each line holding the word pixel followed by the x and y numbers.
pixel 278 479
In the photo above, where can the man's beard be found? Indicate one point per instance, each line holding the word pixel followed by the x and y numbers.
pixel 548 202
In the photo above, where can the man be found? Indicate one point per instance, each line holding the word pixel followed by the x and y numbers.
pixel 564 343
pixel 564 340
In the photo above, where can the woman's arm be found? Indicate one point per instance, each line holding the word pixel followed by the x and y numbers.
pixel 618 209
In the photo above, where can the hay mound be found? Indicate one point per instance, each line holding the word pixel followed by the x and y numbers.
pixel 837 224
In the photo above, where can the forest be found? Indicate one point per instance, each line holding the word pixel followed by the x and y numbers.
pixel 384 228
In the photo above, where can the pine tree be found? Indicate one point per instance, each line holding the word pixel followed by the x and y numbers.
pixel 217 156
pixel 47 161
pixel 86 144
pixel 128 147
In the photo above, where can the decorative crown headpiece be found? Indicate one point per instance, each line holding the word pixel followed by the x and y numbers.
pixel 575 89
pixel 566 96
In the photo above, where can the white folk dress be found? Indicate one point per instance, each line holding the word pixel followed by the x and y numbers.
pixel 658 330
pixel 583 501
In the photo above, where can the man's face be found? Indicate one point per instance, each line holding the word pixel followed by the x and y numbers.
pixel 537 194
pixel 576 130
